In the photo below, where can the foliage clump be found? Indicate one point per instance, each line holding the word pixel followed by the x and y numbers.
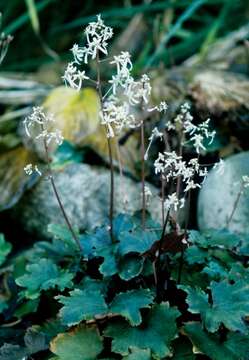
pixel 93 309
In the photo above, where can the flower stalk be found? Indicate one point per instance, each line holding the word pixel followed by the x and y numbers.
pixel 143 176
pixel 111 208
pixel 56 193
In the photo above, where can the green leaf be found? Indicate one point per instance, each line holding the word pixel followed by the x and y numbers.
pixel 197 300
pixel 190 276
pixel 81 305
pixel 5 249
pixel 238 272
pixel 26 308
pixel 138 354
pixel 215 271
pixel 93 243
pixel 136 242
pixel 83 343
pixel 128 304
pixel 195 255
pixel 229 305
pixel 238 344
pixel 223 238
pixel 89 284
pixel 62 233
pixel 109 266
pixel 156 335
pixel 122 223
pixel 234 348
pixel 44 275
pixel 130 266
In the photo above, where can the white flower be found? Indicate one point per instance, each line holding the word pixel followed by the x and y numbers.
pixel 73 77
pixel 155 134
pixel 115 115
pixel 148 194
pixel 138 91
pixel 191 185
pixel 220 167
pixel 51 135
pixel 37 117
pixel 172 201
pixel 123 62
pixel 37 125
pixel 245 179
pixel 203 172
pixel 30 169
pixel 78 53
pixel 194 163
pixel 97 34
pixel 162 107
pixel 198 142
pixel 123 78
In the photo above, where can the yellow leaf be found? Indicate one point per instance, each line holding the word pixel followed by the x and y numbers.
pixel 76 113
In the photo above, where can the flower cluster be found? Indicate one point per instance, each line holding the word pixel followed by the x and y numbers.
pixel 116 114
pixel 97 34
pixel 74 77
pixel 196 134
pixel 172 166
pixel 134 92
pixel 39 123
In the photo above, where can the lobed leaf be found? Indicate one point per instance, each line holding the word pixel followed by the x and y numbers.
pixel 81 305
pixel 156 335
pixel 229 305
pixel 43 275
pixel 136 242
pixel 128 304
pixel 234 348
pixel 82 343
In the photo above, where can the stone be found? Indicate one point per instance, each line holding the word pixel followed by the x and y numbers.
pixel 84 191
pixel 219 193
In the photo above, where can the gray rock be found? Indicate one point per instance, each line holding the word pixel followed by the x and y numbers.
pixel 218 196
pixel 84 191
